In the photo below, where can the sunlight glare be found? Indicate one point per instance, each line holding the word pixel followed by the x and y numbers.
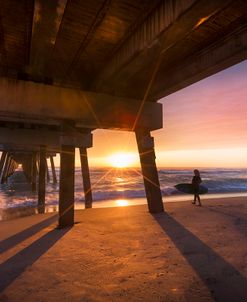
pixel 122 160
pixel 122 202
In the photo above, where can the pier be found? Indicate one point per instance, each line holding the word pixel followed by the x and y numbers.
pixel 70 67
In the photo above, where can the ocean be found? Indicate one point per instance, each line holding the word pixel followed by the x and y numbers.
pixel 113 187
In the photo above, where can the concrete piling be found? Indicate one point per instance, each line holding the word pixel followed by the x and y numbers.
pixel 42 172
pixel 2 161
pixel 86 178
pixel 54 177
pixel 34 172
pixel 66 188
pixel 47 171
pixel 149 171
pixel 5 169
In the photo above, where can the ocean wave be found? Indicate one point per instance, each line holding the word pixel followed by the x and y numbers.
pixel 123 184
pixel 112 194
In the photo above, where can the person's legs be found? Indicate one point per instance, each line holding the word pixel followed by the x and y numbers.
pixel 199 200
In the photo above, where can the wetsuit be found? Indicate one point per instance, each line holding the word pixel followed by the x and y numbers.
pixel 196 182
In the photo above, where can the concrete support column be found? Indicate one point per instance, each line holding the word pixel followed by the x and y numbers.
pixel 27 168
pixel 23 167
pixel 14 166
pixel 54 177
pixel 149 171
pixel 42 172
pixel 9 168
pixel 86 178
pixel 66 189
pixel 34 172
pixel 5 169
pixel 37 163
pixel 47 171
pixel 2 161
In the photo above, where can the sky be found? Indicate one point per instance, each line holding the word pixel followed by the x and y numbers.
pixel 205 125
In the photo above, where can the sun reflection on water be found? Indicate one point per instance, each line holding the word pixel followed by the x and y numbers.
pixel 122 202
pixel 119 179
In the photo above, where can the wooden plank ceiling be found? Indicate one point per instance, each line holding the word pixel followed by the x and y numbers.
pixel 94 45
pixel 64 42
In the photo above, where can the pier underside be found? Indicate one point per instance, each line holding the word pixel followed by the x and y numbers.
pixel 70 67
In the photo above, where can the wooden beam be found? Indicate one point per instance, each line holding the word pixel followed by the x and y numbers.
pixel 47 16
pixel 33 138
pixel 21 150
pixel 91 110
pixel 164 27
pixel 229 50
pixel 207 37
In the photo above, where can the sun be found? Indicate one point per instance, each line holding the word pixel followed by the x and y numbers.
pixel 122 202
pixel 122 160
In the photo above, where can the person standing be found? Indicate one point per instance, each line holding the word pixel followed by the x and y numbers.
pixel 196 180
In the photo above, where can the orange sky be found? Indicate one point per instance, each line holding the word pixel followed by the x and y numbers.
pixel 205 125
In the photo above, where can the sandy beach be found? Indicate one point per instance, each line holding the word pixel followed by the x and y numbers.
pixel 189 253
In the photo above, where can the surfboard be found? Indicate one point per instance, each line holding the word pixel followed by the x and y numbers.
pixel 188 188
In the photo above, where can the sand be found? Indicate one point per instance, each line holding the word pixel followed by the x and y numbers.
pixel 189 253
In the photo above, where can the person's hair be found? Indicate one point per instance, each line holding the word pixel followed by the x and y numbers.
pixel 196 172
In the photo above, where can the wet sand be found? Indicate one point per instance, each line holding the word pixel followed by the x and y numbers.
pixel 189 253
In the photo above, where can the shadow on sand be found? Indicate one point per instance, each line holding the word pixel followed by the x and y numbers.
pixel 16 265
pixel 239 218
pixel 225 283
pixel 23 235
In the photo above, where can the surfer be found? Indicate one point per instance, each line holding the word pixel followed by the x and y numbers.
pixel 196 180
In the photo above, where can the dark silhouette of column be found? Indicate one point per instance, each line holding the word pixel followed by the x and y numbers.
pixel 47 171
pixel 66 189
pixel 27 167
pixel 86 178
pixel 42 172
pixel 149 171
pixel 10 167
pixel 5 169
pixel 54 177
pixel 34 172
pixel 2 161
pixel 37 162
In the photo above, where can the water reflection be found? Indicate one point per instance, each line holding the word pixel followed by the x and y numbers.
pixel 122 202
pixel 119 179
